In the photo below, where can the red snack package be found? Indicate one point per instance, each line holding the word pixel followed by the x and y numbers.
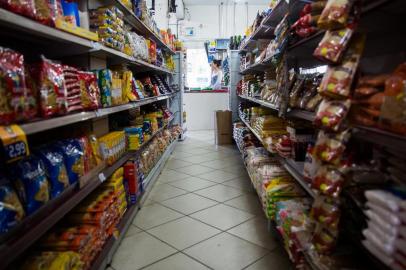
pixel 335 14
pixel 47 11
pixel 51 88
pixel 331 146
pixel 89 89
pixel 338 79
pixel 131 180
pixel 23 7
pixel 73 88
pixel 326 212
pixel 331 114
pixel 328 181
pixel 333 45
pixel 18 102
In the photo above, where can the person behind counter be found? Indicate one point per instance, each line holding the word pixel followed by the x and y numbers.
pixel 216 74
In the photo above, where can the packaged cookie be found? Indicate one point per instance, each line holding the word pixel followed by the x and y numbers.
pixel 31 183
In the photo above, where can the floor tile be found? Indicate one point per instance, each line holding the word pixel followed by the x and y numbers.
pixel 215 164
pixel 181 155
pixel 164 192
pixel 242 183
pixel 148 202
pixel 178 261
pixel 154 215
pixel 220 193
pixel 196 151
pixel 276 260
pixel 235 168
pixel 192 184
pixel 222 216
pixel 197 159
pixel 189 203
pixel 217 176
pixel 183 232
pixel 226 252
pixel 140 250
pixel 194 170
pixel 176 163
pixel 256 232
pixel 248 203
pixel 171 175
pixel 132 230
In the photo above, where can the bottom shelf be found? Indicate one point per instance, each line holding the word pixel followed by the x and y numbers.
pixel 106 255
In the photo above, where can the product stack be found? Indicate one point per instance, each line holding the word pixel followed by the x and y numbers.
pixel 341 135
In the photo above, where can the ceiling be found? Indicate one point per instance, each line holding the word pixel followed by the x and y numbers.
pixel 217 2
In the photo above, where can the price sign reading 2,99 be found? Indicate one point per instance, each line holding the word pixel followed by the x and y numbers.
pixel 14 142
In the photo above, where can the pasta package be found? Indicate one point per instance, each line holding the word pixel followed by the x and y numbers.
pixel 32 183
pixel 11 210
pixel 55 170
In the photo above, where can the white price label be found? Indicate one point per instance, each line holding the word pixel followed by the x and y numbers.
pixel 102 177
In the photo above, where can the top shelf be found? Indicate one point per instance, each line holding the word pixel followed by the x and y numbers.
pixel 52 40
pixel 140 26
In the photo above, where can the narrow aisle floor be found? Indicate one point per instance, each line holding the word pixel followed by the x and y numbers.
pixel 202 213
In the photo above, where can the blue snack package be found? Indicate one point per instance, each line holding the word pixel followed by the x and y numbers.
pixel 55 170
pixel 11 209
pixel 31 183
pixel 72 153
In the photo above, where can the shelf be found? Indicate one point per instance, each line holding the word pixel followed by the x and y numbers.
pixel 293 167
pixel 140 27
pixel 276 14
pixel 43 125
pixel 380 137
pixel 51 40
pixel 112 244
pixel 33 227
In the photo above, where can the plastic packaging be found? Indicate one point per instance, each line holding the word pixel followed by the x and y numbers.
pixel 331 114
pixel 333 45
pixel 89 89
pixel 32 184
pixel 326 212
pixel 328 181
pixel 11 210
pixel 335 14
pixel 55 170
pixel 330 147
pixel 72 152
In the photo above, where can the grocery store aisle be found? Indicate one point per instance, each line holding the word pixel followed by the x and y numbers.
pixel 201 214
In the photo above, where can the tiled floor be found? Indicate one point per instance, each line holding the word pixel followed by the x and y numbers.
pixel 201 214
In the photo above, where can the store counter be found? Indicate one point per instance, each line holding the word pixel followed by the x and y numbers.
pixel 200 107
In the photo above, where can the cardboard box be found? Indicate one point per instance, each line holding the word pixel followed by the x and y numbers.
pixel 223 127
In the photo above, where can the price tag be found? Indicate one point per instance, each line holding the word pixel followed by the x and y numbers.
pixel 102 178
pixel 15 145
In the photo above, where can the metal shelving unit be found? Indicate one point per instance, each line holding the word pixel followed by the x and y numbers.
pixel 33 227
pixel 106 255
pixel 43 125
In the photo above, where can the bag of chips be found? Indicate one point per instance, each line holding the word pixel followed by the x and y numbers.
pixel 55 170
pixel 23 7
pixel 89 89
pixel 11 210
pixel 31 183
pixel 105 78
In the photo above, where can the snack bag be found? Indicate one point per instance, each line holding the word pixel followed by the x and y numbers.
pixel 324 240
pixel 74 101
pixel 338 79
pixel 335 14
pixel 55 170
pixel 51 88
pixel 116 88
pixel 333 45
pixel 94 144
pixel 17 102
pixel 329 181
pixel 11 210
pixel 89 89
pixel 331 114
pixel 72 152
pixel 23 7
pixel 326 212
pixel 47 11
pixel 330 147
pixel 105 85
pixel 31 183
pixel 311 164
